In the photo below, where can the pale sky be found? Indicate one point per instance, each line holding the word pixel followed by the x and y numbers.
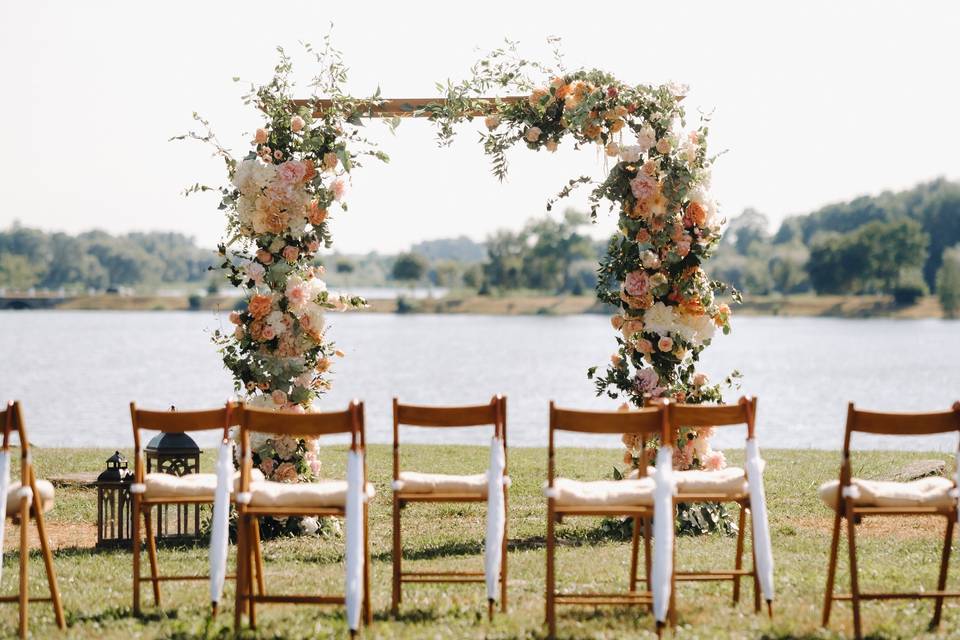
pixel 815 102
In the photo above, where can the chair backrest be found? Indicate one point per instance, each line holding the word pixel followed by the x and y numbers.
pixel 12 420
pixel 174 421
pixel 714 415
pixel 900 424
pixel 304 425
pixel 494 413
pixel 647 422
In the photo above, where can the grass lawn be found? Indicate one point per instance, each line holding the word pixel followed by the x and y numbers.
pixel 895 554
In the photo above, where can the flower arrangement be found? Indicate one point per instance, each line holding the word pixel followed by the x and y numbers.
pixel 658 184
pixel 279 202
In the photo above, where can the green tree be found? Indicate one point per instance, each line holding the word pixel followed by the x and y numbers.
pixel 473 276
pixel 504 266
pixel 18 272
pixel 409 267
pixel 948 282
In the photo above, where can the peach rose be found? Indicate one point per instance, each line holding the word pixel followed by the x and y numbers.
pixel 234 317
pixel 663 146
pixel 644 346
pixel 268 333
pixel 617 322
pixel 314 246
pixel 259 305
pixel 699 379
pixel 616 360
pixel 330 161
pixel 291 253
pixel 278 397
pixel 696 215
pixel 316 214
pixel 310 169
pixel 551 145
pixel 492 122
pixel 613 149
pixel 286 472
pixel 532 134
pixel 261 136
pixel 665 344
pixel 264 256
pixel 296 123
pixel 267 466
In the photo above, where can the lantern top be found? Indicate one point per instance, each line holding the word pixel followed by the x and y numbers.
pixel 116 470
pixel 172 444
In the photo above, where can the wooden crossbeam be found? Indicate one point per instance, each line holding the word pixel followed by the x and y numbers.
pixel 404 107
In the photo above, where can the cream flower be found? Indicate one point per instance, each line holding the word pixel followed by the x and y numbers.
pixel 660 319
pixel 646 138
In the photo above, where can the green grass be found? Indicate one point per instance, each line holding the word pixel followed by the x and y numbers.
pixel 894 555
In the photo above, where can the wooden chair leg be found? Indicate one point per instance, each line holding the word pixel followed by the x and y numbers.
pixel 152 554
pixel 367 605
pixel 738 562
pixel 648 554
pixel 242 563
pixel 249 571
pixel 854 582
pixel 48 562
pixel 503 554
pixel 944 564
pixel 397 560
pixel 258 557
pixel 831 569
pixel 24 560
pixel 137 514
pixel 551 578
pixel 634 553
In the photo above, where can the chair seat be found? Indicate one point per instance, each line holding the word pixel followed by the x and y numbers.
pixel 322 494
pixel 13 500
pixel 191 485
pixel 603 493
pixel 415 482
pixel 730 482
pixel 925 492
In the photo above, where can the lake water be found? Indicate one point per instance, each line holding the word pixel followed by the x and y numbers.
pixel 76 372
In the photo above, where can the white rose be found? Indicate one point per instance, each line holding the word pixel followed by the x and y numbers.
pixel 646 138
pixel 631 153
pixel 660 319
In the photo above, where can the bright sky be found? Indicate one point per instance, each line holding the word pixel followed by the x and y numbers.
pixel 815 102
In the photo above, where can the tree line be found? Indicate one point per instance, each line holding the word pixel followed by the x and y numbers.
pixel 896 243
pixel 98 260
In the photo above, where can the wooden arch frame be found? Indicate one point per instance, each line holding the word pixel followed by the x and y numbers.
pixel 405 107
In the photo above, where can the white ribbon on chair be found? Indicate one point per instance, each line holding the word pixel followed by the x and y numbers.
pixel 220 529
pixel 356 493
pixel 4 488
pixel 663 516
pixel 496 517
pixel 758 516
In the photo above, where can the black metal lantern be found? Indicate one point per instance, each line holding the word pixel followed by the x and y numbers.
pixel 114 521
pixel 179 455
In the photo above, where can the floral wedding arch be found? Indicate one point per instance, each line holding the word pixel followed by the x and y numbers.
pixel 284 192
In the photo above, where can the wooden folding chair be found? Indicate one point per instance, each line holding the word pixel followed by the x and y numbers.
pixel 279 499
pixel 438 487
pixel 718 487
pixel 152 490
pixel 853 499
pixel 632 498
pixel 23 505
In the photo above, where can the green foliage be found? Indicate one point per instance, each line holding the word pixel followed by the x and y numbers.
pixel 910 287
pixel 948 282
pixel 409 267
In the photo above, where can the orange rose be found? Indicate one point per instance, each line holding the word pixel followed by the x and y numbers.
pixel 316 215
pixel 696 214
pixel 310 170
pixel 260 305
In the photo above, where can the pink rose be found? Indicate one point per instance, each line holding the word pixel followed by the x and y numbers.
pixel 314 246
pixel 268 333
pixel 637 283
pixel 714 461
pixel 699 379
pixel 291 172
pixel 296 295
pixel 665 343
pixel 291 253
pixel 278 396
pixel 339 188
pixel 278 154
pixel 296 123
pixel 643 188
pixel 261 136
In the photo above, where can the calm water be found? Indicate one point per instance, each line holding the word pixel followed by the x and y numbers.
pixel 76 372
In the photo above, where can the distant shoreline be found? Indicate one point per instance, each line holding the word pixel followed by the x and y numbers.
pixel 873 306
